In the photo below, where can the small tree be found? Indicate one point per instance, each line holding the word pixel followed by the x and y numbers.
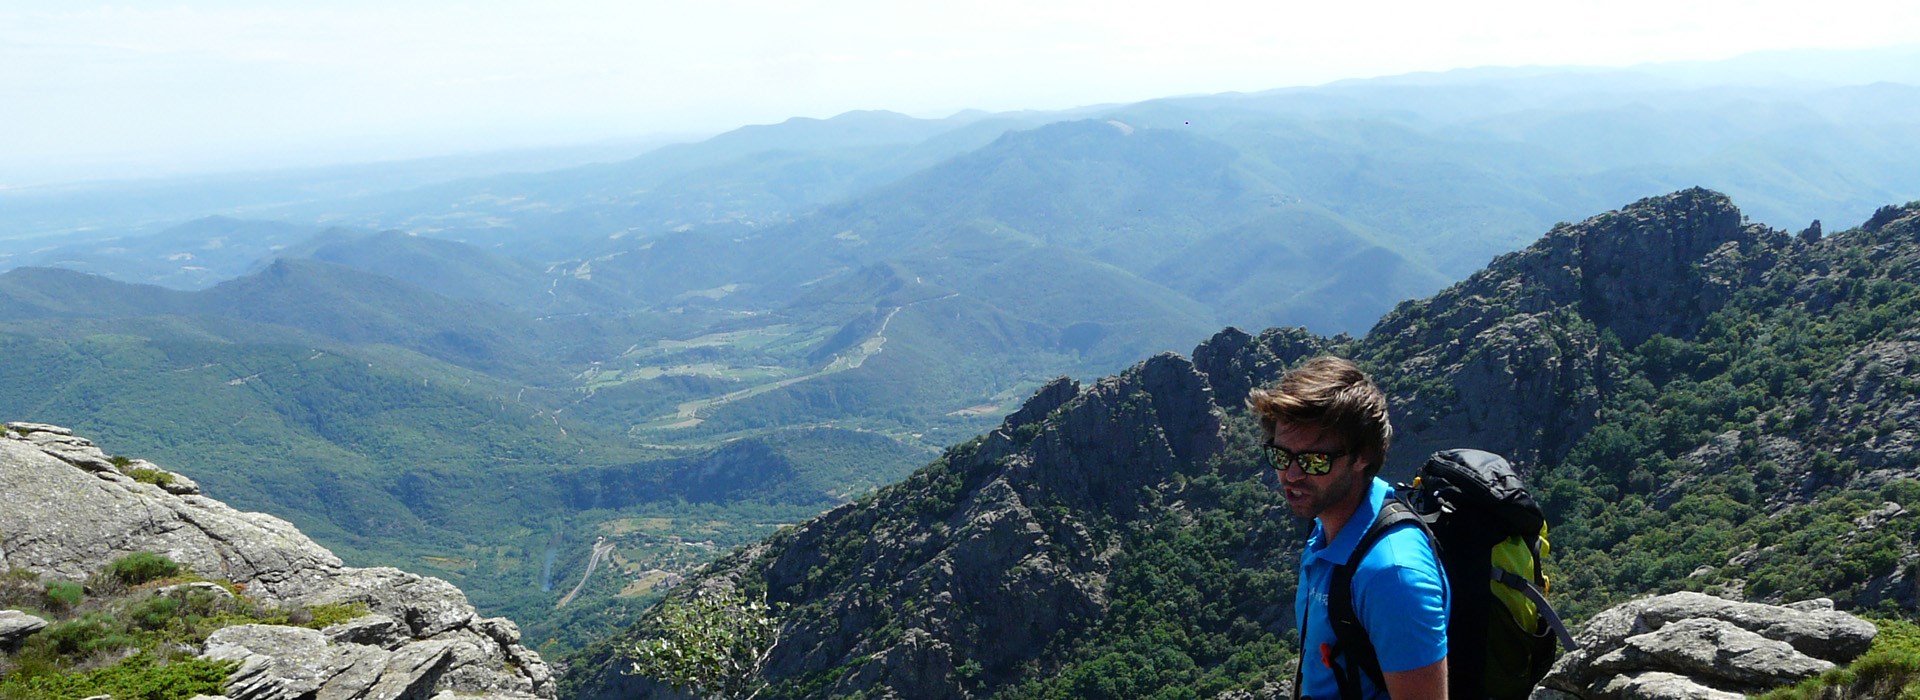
pixel 713 644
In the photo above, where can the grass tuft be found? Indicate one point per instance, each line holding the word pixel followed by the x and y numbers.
pixel 1889 669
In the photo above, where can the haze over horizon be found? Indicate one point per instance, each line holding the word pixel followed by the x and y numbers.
pixel 143 90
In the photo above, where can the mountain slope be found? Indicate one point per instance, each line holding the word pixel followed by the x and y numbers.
pixel 1116 540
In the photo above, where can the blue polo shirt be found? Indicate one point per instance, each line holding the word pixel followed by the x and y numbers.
pixel 1399 594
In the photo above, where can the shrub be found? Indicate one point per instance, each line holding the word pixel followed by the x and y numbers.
pixel 64 594
pixel 157 477
pixel 328 615
pixel 713 644
pixel 138 677
pixel 1890 669
pixel 141 567
pixel 20 587
pixel 95 632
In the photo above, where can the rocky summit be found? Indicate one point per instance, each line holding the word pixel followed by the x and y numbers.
pixel 71 509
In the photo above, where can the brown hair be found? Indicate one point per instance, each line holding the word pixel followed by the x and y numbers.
pixel 1331 394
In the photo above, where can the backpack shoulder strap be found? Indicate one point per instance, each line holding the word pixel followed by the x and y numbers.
pixel 1356 651
pixel 1547 614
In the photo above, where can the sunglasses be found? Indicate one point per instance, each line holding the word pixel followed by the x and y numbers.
pixel 1313 463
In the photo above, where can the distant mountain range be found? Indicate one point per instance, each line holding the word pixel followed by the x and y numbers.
pixel 694 346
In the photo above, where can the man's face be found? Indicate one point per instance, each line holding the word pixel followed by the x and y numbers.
pixel 1310 495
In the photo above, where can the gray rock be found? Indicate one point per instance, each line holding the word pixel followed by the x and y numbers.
pixel 1638 649
pixel 1657 685
pixel 1815 605
pixel 427 606
pixel 77 451
pixel 476 665
pixel 1878 517
pixel 68 516
pixel 1830 635
pixel 1050 397
pixel 1721 653
pixel 372 630
pixel 408 674
pixel 15 626
pixel 24 427
pixel 63 523
pixel 283 663
pixel 280 663
pixel 201 586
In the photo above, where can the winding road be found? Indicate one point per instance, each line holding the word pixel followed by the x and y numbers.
pixel 601 548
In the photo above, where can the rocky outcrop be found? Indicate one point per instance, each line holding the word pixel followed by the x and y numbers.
pixel 981 560
pixel 1235 362
pixel 71 509
pixel 1691 645
pixel 1513 360
pixel 15 626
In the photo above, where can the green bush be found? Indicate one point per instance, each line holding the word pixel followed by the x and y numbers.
pixel 328 615
pixel 140 633
pixel 64 594
pixel 1890 669
pixel 94 632
pixel 141 567
pixel 157 477
pixel 139 677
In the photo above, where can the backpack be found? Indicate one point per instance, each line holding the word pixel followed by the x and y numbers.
pixel 1491 537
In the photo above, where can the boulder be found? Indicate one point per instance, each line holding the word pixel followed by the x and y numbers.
pixel 372 630
pixel 1691 645
pixel 1720 651
pixel 15 626
pixel 1657 685
pixel 279 663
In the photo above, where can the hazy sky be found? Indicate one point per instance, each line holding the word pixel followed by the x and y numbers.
pixel 134 89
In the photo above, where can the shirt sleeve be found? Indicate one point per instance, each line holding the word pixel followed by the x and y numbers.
pixel 1401 597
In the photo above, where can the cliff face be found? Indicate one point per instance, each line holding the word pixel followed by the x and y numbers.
pixel 70 509
pixel 1520 357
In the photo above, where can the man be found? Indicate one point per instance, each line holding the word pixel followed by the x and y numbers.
pixel 1327 432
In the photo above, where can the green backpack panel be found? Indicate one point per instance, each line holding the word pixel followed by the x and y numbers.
pixel 1491 537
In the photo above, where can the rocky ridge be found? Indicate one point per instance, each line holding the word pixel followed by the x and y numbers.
pixel 1519 357
pixel 71 509
pixel 986 567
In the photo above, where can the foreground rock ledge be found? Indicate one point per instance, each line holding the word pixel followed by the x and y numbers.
pixel 68 511
pixel 1696 646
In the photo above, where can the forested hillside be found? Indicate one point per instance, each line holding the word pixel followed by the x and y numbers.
pixel 814 308
pixel 1703 403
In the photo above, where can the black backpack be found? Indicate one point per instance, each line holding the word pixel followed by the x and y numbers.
pixel 1491 537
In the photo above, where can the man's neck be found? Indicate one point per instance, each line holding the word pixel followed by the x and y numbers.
pixel 1337 515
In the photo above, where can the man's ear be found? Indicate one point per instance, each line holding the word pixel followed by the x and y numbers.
pixel 1360 463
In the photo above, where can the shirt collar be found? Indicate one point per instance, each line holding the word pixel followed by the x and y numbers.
pixel 1342 545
